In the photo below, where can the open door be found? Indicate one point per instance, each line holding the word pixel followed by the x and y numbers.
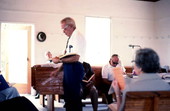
pixel 16 55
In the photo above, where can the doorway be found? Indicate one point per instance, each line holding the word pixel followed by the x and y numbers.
pixel 16 55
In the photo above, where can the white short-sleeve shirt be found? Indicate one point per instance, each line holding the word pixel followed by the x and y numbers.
pixel 107 71
pixel 77 43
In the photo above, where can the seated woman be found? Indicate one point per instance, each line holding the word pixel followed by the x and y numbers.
pixel 146 67
pixel 6 91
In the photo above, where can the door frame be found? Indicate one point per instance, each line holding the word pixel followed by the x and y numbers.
pixel 29 28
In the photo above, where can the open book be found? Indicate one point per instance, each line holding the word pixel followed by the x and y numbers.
pixel 118 74
pixel 88 79
pixel 67 55
pixel 3 83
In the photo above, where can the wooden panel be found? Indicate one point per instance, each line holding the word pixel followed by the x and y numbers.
pixel 98 76
pixel 147 101
pixel 40 75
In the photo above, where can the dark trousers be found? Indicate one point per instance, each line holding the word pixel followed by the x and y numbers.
pixel 73 75
pixel 105 90
pixel 94 97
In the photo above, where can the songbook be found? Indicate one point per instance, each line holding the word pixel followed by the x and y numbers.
pixel 118 74
pixel 88 79
pixel 3 83
pixel 67 55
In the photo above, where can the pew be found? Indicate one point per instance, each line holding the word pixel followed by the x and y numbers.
pixel 147 101
pixel 98 81
pixel 40 74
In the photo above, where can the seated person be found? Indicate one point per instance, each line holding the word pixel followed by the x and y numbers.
pixel 6 91
pixel 88 87
pixel 107 75
pixel 146 67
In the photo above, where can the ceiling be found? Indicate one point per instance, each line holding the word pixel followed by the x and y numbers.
pixel 150 0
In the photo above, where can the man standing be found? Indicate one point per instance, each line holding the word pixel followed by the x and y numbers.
pixel 73 67
pixel 76 43
pixel 73 72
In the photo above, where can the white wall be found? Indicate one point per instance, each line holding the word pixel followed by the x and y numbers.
pixel 162 24
pixel 133 22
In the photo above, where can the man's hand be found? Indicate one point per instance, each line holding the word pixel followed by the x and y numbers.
pixel 54 73
pixel 56 60
pixel 57 71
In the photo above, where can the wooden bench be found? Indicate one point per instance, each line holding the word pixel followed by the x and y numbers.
pixel 98 81
pixel 40 74
pixel 98 76
pixel 50 88
pixel 147 101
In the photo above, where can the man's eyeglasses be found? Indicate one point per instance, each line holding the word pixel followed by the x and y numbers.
pixel 115 63
pixel 64 28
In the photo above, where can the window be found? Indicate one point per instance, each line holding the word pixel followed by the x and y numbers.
pixel 98 40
